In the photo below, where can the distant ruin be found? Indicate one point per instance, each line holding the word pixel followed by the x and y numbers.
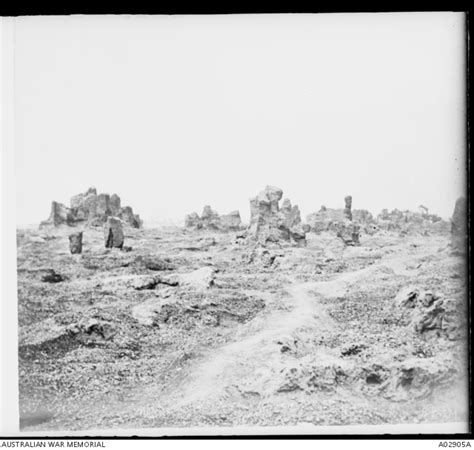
pixel 91 209
pixel 211 220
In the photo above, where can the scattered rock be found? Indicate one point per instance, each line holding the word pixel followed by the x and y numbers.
pixel 52 277
pixel 75 243
pixel 352 349
pixel 151 281
pixel 264 257
pixel 92 331
pixel 407 297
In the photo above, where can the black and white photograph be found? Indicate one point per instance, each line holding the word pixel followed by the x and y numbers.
pixel 236 224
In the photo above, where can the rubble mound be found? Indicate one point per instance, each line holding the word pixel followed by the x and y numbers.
pixel 211 220
pixel 91 209
pixel 429 314
pixel 269 223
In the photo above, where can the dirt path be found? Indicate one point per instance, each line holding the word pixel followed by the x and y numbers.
pixel 249 365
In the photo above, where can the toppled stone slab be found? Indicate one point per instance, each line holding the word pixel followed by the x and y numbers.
pixel 211 220
pixel 92 209
pixel 92 331
pixel 157 264
pixel 417 378
pixel 262 256
pixel 41 332
pixel 48 337
pixel 269 223
pixel 113 233
pixel 202 278
pixel 311 376
pixel 75 243
pixel 151 281
pixel 152 312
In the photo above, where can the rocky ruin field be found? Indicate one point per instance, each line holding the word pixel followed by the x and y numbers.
pixel 199 328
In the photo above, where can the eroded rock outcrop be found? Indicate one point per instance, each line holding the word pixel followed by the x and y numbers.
pixel 91 209
pixel 211 220
pixel 269 223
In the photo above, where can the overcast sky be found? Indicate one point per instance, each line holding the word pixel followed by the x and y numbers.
pixel 175 112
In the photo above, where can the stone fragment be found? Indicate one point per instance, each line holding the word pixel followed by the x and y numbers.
pixel 52 277
pixel 202 278
pixel 113 233
pixel 75 243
